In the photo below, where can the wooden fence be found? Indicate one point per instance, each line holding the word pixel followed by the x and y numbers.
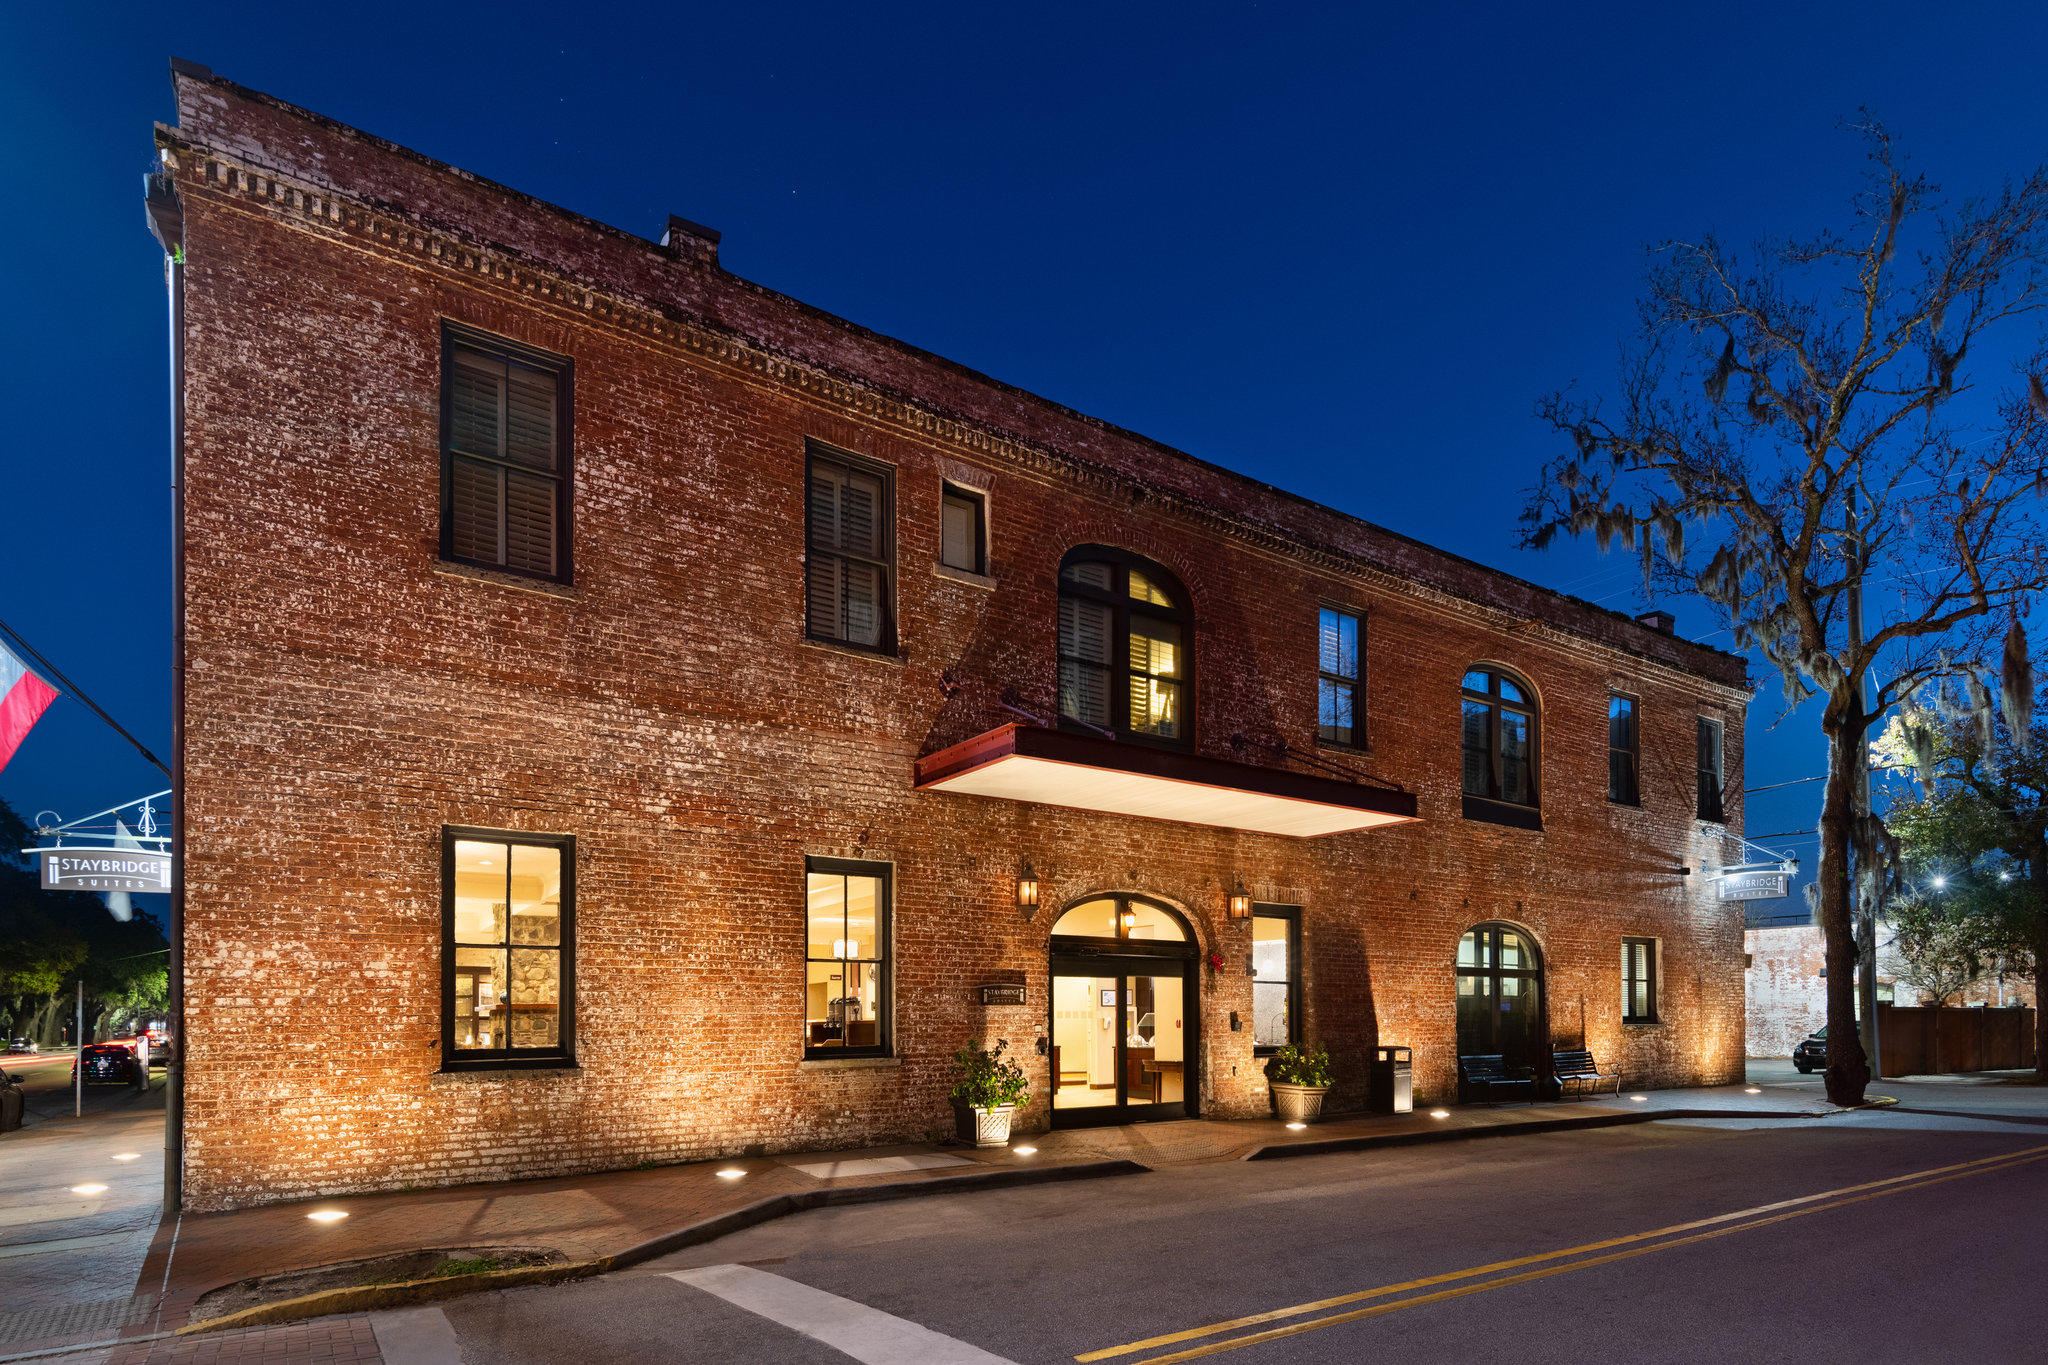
pixel 1922 1041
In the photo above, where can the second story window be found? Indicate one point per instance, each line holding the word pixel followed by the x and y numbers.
pixel 963 530
pixel 1124 630
pixel 1710 803
pixel 1337 720
pixel 1623 754
pixel 504 455
pixel 1499 725
pixel 849 555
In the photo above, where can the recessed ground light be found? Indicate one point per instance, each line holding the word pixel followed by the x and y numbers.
pixel 126 1156
pixel 327 1215
pixel 88 1189
pixel 1639 1098
pixel 1752 1090
pixel 1296 1127
pixel 1024 1151
pixel 731 1173
pixel 1439 1113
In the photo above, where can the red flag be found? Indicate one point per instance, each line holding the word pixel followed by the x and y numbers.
pixel 23 699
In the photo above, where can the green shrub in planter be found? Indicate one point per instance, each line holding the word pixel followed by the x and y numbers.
pixel 1293 1065
pixel 986 1079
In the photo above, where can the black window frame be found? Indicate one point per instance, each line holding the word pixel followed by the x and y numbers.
pixel 950 491
pixel 815 454
pixel 1711 804
pixel 885 929
pixel 563 1054
pixel 1292 914
pixel 1353 684
pixel 1491 807
pixel 1630 979
pixel 1122 608
pixel 455 337
pixel 1629 758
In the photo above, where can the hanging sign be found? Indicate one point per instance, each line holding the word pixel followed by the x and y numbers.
pixel 1756 886
pixel 103 869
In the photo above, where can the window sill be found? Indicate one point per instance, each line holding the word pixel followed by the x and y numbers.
pixel 853 651
pixel 1642 1023
pixel 1339 746
pixel 847 1063
pixel 967 576
pixel 1491 812
pixel 476 574
pixel 498 1070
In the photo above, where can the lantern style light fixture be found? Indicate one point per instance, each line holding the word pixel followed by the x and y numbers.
pixel 1027 890
pixel 1127 918
pixel 1240 901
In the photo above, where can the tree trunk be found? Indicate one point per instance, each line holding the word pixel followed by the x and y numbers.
pixel 2039 871
pixel 1848 1068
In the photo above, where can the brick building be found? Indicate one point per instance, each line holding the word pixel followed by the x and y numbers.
pixel 624 714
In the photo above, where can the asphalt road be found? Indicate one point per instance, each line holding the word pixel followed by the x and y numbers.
pixel 46 1077
pixel 1945 1263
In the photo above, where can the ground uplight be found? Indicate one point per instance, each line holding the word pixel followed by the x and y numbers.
pixel 88 1189
pixel 1024 1151
pixel 327 1215
pixel 1639 1099
pixel 1439 1113
pixel 731 1173
pixel 1752 1090
pixel 126 1156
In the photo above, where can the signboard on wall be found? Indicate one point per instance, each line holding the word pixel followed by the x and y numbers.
pixel 102 869
pixel 1002 993
pixel 1756 886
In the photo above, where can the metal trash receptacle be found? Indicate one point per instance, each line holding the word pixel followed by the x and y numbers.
pixel 1392 1086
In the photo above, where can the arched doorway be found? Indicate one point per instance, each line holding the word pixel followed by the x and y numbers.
pixel 1500 996
pixel 1125 1013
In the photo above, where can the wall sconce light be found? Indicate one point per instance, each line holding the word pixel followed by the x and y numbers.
pixel 1127 919
pixel 1240 902
pixel 1027 890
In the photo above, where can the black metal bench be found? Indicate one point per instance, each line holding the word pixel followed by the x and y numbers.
pixel 1578 1074
pixel 1489 1078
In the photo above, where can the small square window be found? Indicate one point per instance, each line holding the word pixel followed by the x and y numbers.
pixel 963 530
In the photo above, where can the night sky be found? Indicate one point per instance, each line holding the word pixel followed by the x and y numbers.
pixel 1343 255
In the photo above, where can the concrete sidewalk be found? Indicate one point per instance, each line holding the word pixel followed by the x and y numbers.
pixel 594 1223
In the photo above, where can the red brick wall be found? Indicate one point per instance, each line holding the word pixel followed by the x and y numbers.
pixel 347 696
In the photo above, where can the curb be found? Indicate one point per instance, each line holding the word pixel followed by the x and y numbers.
pixel 1421 1136
pixel 370 1298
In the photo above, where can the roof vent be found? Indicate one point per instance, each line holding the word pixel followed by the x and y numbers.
pixel 1663 622
pixel 692 240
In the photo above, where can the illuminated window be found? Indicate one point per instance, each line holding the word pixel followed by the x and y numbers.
pixel 846 958
pixel 508 907
pixel 1276 971
pixel 504 455
pixel 1638 981
pixel 1337 718
pixel 1124 630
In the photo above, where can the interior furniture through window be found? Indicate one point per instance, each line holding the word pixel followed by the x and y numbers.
pixel 846 958
pixel 508 962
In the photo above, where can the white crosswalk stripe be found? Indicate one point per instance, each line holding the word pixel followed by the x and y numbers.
pixel 867 1334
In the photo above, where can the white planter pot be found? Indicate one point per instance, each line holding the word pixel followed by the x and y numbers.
pixel 1299 1103
pixel 992 1126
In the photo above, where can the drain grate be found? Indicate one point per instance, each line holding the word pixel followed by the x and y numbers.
pixel 91 1320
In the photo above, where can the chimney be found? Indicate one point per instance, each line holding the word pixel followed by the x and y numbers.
pixel 691 240
pixel 1662 622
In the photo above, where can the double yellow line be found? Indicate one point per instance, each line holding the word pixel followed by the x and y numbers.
pixel 1636 1244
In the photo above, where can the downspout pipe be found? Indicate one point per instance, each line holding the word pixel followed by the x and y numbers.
pixel 167 224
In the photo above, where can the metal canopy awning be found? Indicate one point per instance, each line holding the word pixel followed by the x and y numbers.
pixel 1055 768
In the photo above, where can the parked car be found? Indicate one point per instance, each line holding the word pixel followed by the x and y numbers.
pixel 1812 1053
pixel 109 1063
pixel 22 1047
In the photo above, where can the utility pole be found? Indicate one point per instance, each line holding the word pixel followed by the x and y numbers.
pixel 78 1067
pixel 1866 908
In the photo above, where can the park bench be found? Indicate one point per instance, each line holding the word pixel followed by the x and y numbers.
pixel 1491 1079
pixel 1578 1074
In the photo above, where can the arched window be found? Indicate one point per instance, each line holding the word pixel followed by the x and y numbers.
pixel 1500 994
pixel 1128 919
pixel 1500 738
pixel 1123 646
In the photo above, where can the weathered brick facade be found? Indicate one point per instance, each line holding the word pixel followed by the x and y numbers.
pixel 346 695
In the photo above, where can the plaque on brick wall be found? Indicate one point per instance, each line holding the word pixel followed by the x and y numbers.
pixel 1002 993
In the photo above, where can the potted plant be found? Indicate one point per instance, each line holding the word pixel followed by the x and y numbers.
pixel 1300 1077
pixel 991 1087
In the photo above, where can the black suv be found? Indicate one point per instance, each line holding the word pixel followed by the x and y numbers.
pixel 1812 1053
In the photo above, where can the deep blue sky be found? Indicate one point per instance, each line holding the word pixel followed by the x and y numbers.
pixel 1344 255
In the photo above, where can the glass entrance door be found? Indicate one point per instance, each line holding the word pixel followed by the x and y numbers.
pixel 1120 1042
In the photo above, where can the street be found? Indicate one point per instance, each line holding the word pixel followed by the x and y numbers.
pixel 1661 1242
